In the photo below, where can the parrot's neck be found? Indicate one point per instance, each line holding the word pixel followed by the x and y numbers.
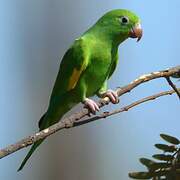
pixel 105 36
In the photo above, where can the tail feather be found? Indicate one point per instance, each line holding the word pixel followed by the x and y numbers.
pixel 33 148
pixel 42 125
pixel 53 115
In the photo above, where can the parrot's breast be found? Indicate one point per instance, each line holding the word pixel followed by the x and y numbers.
pixel 97 71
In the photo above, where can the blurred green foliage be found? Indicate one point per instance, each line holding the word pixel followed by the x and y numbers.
pixel 166 165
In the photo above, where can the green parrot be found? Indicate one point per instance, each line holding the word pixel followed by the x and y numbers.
pixel 87 65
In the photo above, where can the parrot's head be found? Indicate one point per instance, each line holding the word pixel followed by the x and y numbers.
pixel 120 24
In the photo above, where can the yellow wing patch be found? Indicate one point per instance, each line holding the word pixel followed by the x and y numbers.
pixel 74 78
pixel 82 62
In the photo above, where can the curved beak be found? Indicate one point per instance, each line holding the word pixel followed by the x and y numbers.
pixel 136 32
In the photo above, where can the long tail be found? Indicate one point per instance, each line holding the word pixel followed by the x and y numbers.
pixel 34 146
pixel 53 115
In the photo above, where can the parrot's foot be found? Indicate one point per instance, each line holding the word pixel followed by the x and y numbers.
pixel 112 95
pixel 91 105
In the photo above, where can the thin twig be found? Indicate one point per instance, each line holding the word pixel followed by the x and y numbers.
pixel 173 86
pixel 73 119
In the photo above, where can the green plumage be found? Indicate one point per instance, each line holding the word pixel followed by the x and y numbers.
pixel 86 66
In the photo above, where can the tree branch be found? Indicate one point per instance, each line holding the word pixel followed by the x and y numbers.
pixel 125 108
pixel 74 120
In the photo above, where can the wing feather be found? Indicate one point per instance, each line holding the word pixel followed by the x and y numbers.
pixel 74 62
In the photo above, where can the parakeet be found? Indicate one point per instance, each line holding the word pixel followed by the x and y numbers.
pixel 87 65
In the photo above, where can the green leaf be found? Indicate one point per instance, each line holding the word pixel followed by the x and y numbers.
pixel 160 165
pixel 148 175
pixel 162 173
pixel 147 162
pixel 163 157
pixel 165 147
pixel 178 156
pixel 177 171
pixel 141 175
pixel 170 139
pixel 152 165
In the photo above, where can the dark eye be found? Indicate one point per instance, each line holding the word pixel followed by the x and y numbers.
pixel 124 20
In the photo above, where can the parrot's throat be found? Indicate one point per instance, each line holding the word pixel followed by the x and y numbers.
pixel 114 38
pixel 119 39
pixel 106 36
